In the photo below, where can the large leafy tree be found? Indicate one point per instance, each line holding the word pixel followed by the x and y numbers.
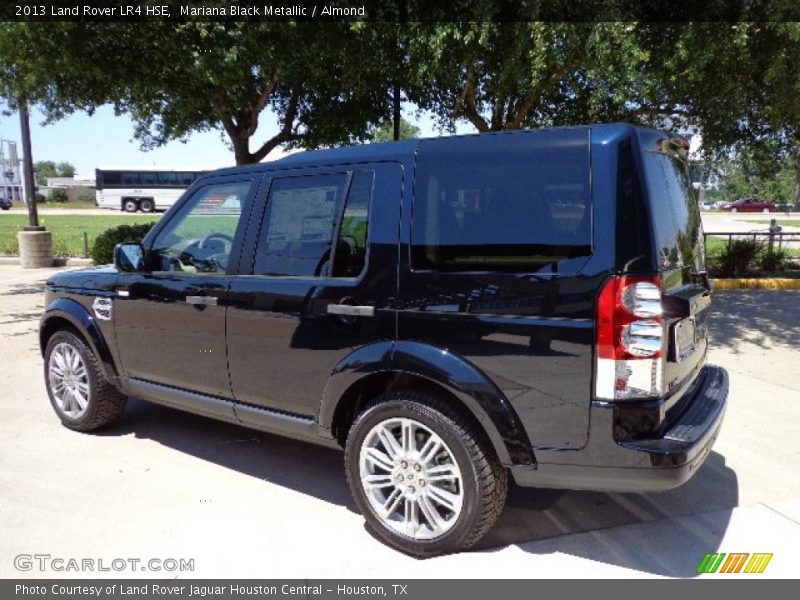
pixel 174 79
pixel 508 75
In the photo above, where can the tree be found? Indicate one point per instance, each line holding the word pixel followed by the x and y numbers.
pixel 47 168
pixel 65 169
pixel 508 75
pixel 43 170
pixel 385 131
pixel 198 76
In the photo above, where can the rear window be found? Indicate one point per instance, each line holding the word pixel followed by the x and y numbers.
pixel 510 202
pixel 675 217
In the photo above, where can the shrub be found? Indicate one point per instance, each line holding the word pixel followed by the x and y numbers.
pixel 59 196
pixel 39 198
pixel 774 261
pixel 735 258
pixel 103 247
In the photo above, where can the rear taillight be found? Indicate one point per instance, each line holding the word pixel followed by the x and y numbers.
pixel 630 338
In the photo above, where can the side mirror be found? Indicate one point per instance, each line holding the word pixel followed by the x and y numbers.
pixel 129 257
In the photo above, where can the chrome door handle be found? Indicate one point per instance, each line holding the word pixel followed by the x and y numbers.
pixel 351 310
pixel 202 300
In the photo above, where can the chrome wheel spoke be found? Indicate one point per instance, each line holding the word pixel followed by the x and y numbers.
pixel 444 498
pixel 373 482
pixel 79 399
pixel 407 435
pixel 392 502
pixel 379 459
pixel 431 515
pixel 429 450
pixel 411 522
pixel 443 473
pixel 390 444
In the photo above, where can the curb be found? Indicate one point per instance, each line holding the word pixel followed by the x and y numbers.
pixel 57 262
pixel 765 283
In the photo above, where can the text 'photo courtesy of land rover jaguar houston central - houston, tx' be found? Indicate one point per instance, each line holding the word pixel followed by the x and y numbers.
pixel 452 312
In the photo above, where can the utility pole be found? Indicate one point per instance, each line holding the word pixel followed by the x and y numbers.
pixel 27 157
pixel 35 243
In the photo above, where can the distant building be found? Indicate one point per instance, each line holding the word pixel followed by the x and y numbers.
pixel 66 183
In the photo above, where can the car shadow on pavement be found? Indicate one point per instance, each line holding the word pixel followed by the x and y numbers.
pixel 758 317
pixel 313 470
pixel 537 520
pixel 669 543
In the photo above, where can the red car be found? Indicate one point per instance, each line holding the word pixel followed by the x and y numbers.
pixel 749 205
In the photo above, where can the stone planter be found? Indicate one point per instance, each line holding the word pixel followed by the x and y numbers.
pixel 35 248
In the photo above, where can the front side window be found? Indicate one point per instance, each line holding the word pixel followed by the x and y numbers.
pixel 508 203
pixel 200 237
pixel 311 231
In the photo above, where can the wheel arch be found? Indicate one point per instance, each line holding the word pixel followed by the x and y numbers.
pixel 449 376
pixel 64 313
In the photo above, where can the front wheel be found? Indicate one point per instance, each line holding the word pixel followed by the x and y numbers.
pixel 78 390
pixel 734 210
pixel 423 476
pixel 766 210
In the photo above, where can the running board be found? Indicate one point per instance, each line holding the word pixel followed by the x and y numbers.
pixel 254 417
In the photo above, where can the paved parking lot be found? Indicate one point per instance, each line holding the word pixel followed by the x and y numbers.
pixel 164 484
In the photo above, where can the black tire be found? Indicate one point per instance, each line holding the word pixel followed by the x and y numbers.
pixel 484 480
pixel 146 205
pixel 130 205
pixel 105 403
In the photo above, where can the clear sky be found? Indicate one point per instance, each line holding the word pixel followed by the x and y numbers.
pixel 106 140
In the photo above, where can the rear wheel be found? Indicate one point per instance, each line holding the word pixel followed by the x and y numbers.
pixel 423 476
pixel 734 210
pixel 766 210
pixel 130 205
pixel 78 390
pixel 146 205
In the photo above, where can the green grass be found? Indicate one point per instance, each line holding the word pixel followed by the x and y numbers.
pixel 715 245
pixel 67 230
pixel 781 222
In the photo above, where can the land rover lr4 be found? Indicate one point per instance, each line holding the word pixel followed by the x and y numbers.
pixel 452 312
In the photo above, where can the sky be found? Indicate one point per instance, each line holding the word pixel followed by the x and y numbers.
pixel 106 140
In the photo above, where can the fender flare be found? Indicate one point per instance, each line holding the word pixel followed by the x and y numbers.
pixel 80 318
pixel 458 376
pixel 363 362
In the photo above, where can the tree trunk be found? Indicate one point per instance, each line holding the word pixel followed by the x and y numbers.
pixel 396 111
pixel 241 149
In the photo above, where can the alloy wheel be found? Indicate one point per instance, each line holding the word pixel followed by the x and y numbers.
pixel 69 380
pixel 411 479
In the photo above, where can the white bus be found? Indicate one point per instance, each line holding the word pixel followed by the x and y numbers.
pixel 145 189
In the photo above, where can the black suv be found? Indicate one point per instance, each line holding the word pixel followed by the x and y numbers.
pixel 450 311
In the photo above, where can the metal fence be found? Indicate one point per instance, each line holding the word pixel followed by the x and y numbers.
pixel 772 239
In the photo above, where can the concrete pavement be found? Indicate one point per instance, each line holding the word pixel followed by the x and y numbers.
pixel 165 484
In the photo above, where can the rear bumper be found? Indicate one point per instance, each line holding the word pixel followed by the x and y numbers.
pixel 638 465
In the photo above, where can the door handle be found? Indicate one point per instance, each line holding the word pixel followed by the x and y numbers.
pixel 202 300
pixel 351 310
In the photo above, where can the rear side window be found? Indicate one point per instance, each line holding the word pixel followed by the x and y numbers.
pixel 675 217
pixel 502 202
pixel 311 231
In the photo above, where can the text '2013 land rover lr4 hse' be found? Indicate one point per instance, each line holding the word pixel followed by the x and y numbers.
pixel 450 311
